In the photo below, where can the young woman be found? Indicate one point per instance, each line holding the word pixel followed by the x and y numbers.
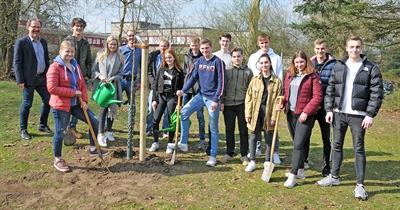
pixel 65 82
pixel 108 68
pixel 168 80
pixel 303 94
pixel 260 112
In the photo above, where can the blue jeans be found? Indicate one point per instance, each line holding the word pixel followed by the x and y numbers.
pixel 61 119
pixel 126 86
pixel 27 99
pixel 150 112
pixel 341 121
pixel 200 116
pixel 198 102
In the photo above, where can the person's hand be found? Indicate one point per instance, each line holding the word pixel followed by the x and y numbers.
pixel 279 107
pixel 303 117
pixel 367 122
pixel 84 105
pixel 77 93
pixel 137 86
pixel 222 107
pixel 248 119
pixel 329 117
pixel 214 106
pixel 22 85
pixel 154 105
pixel 86 78
pixel 272 123
pixel 110 79
pixel 179 93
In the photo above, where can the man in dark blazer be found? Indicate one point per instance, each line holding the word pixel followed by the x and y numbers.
pixel 31 61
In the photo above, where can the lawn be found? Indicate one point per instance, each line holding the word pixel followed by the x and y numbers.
pixel 29 180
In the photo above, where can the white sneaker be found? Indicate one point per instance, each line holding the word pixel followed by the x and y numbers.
pixel 110 136
pixel 154 147
pixel 306 166
pixel 277 160
pixel 251 166
pixel 169 149
pixel 211 162
pixel 360 193
pixel 290 182
pixel 102 140
pixel 182 147
pixel 300 174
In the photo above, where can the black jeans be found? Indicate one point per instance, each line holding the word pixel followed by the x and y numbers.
pixel 299 132
pixel 166 100
pixel 256 134
pixel 325 133
pixel 102 120
pixel 230 115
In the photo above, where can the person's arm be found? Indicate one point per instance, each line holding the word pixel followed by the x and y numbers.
pixel 316 99
pixel 276 101
pixel 220 68
pixel 279 68
pixel 89 63
pixel 248 109
pixel 18 59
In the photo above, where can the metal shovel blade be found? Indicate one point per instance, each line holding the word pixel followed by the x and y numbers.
pixel 268 169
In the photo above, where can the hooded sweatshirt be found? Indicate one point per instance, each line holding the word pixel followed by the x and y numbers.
pixel 276 61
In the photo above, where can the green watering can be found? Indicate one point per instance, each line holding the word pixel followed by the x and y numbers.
pixel 105 94
pixel 173 123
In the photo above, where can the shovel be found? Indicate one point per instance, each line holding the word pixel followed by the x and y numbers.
pixel 93 134
pixel 269 166
pixel 178 113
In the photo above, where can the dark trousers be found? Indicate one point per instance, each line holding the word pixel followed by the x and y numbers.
pixel 256 134
pixel 325 133
pixel 27 99
pixel 166 100
pixel 299 132
pixel 102 120
pixel 341 122
pixel 230 115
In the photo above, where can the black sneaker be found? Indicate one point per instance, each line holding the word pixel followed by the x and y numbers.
pixel 25 135
pixel 95 153
pixel 45 129
pixel 326 170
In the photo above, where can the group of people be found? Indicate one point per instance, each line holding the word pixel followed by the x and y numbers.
pixel 337 93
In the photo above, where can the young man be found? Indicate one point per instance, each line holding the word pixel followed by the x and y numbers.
pixel 238 77
pixel 133 56
pixel 83 56
pixel 264 42
pixel 353 98
pixel 210 72
pixel 188 66
pixel 323 62
pixel 31 62
pixel 224 53
pixel 155 60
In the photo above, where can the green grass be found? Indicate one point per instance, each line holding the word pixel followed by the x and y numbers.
pixel 192 185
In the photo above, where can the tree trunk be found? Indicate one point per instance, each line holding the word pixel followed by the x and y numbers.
pixel 254 16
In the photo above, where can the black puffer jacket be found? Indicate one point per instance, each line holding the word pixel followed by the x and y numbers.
pixel 367 94
pixel 152 67
pixel 188 66
pixel 158 85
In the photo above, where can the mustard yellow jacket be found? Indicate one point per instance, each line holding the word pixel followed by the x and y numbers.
pixel 253 101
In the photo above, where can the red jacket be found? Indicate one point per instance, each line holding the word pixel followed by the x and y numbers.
pixel 58 85
pixel 309 96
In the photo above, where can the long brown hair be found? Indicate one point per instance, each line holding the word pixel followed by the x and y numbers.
pixel 176 62
pixel 307 70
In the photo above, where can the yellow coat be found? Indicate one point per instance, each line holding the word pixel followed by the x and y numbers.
pixel 253 101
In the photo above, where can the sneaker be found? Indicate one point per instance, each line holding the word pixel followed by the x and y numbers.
pixel 95 153
pixel 154 147
pixel 360 193
pixel 211 162
pixel 201 145
pixel 329 181
pixel 102 140
pixel 76 133
pixel 25 135
pixel 183 147
pixel 300 174
pixel 226 158
pixel 251 166
pixel 290 182
pixel 306 166
pixel 61 165
pixel 326 170
pixel 165 135
pixel 149 133
pixel 277 160
pixel 169 149
pixel 110 136
pixel 45 129
pixel 258 152
pixel 245 160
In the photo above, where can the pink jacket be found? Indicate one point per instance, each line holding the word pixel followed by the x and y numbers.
pixel 58 85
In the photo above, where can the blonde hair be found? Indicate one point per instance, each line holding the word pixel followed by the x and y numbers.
pixel 66 44
pixel 307 70
pixel 105 52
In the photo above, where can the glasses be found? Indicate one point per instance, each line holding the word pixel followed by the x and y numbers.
pixel 35 26
pixel 79 26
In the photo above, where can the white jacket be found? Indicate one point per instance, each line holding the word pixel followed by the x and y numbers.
pixel 275 59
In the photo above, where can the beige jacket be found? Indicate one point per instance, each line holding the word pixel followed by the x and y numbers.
pixel 253 101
